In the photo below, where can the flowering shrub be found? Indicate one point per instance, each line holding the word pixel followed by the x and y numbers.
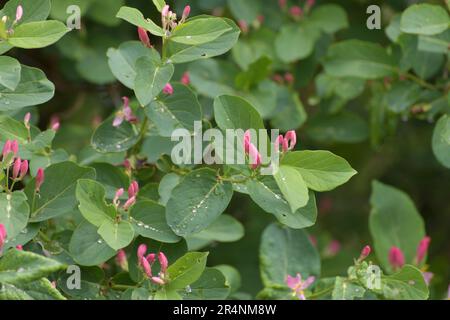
pixel 139 211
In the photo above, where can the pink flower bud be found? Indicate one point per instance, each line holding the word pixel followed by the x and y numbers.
pixel 19 13
pixel 289 78
pixel 279 141
pixel 290 139
pixel 129 203
pixel 55 126
pixel 19 247
pixel 143 36
pixel 310 3
pixel 296 11
pixel 255 157
pixel 127 164
pixel 260 18
pixel 165 10
pixel 365 252
pixel 282 4
pixel 334 247
pixel 186 12
pixel 23 169
pixel 427 276
pixel 151 257
pixel 133 189
pixel 278 79
pixel 3 236
pixel 186 79
pixel 142 249
pixel 396 258
pixel 54 123
pixel 121 259
pixel 158 280
pixel 39 179
pixel 422 249
pixel 168 89
pixel 313 240
pixel 16 168
pixel 163 262
pixel 146 267
pixel 6 148
pixel 15 147
pixel 247 140
pixel 117 196
pixel 118 120
pixel 243 26
pixel 26 119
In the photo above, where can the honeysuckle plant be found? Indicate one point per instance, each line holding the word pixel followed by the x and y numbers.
pixel 138 224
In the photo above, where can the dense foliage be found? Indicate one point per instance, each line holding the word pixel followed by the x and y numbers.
pixel 93 204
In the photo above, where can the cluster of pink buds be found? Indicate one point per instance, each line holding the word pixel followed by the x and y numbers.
pixel 9 152
pixel 3 235
pixel 133 190
pixel 186 79
pixel 143 36
pixel 288 78
pixel 9 157
pixel 126 114
pixel 251 150
pixel 168 89
pixel 287 142
pixel 169 18
pixel 146 261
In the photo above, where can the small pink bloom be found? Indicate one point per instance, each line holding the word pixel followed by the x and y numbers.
pixel 146 267
pixel 165 10
pixel 422 249
pixel 142 249
pixel 19 13
pixel 365 253
pixel 131 201
pixel 133 189
pixel 3 235
pixel 299 286
pixel 289 77
pixel 6 148
pixel 118 120
pixel 143 36
pixel 168 89
pixel 15 147
pixel 16 168
pixel 26 119
pixel 40 177
pixel 186 79
pixel 186 12
pixel 158 280
pixel 19 247
pixel 243 26
pixel 396 258
pixel 23 169
pixel 290 139
pixel 163 262
pixel 254 155
pixel 296 11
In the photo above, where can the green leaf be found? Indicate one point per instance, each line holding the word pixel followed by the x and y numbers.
pixel 167 184
pixel 402 96
pixel 14 212
pixel 355 58
pixel 330 18
pixel 186 270
pixel 441 141
pixel 210 286
pixel 57 195
pixel 33 89
pixel 41 289
pixel 394 221
pixel 424 19
pixel 107 138
pixel 257 72
pixel 117 235
pixel 111 177
pixel 232 276
pixel 91 196
pixel 87 247
pixel 35 10
pixel 233 112
pixel 151 77
pixel 286 251
pixel 182 53
pixel 407 284
pixel 9 72
pixel 176 111
pixel 290 112
pixel 18 267
pixel 321 170
pixel 13 130
pixel 135 17
pixel 292 186
pixel 122 61
pixel 199 31
pixel 346 290
pixel 149 220
pixel 266 194
pixel 294 42
pixel 245 10
pixel 37 34
pixel 197 202
pixel 159 4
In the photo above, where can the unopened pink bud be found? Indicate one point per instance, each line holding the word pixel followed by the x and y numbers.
pixel 279 141
pixel 186 79
pixel 118 120
pixel 422 249
pixel 55 126
pixel 278 78
pixel 396 258
pixel 334 247
pixel 39 179
pixel 16 168
pixel 151 257
pixel 6 148
pixel 129 203
pixel 142 249
pixel 186 12
pixel 3 235
pixel 121 259
pixel 243 26
pixel 158 280
pixel 19 13
pixel 168 89
pixel 23 169
pixel 143 36
pixel 133 189
pixel 163 262
pixel 260 18
pixel 289 78
pixel 15 147
pixel 165 10
pixel 19 247
pixel 26 119
pixel 282 3
pixel 146 267
pixel 365 252
pixel 117 196
pixel 310 3
pixel 296 11
pixel 255 157
pixel 290 139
